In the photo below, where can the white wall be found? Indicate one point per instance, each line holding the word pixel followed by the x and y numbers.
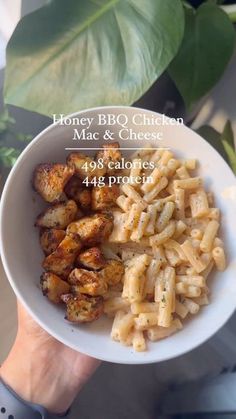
pixel 10 11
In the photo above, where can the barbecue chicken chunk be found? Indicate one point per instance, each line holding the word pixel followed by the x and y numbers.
pixel 110 155
pixel 81 195
pixel 93 229
pixel 91 259
pixel 58 215
pixel 87 282
pixel 50 179
pixel 62 259
pixel 104 197
pixel 82 308
pixel 113 271
pixel 53 287
pixel 83 166
pixel 50 239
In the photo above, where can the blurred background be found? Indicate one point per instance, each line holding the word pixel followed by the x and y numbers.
pixel 118 391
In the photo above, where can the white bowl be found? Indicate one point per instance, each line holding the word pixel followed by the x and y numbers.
pixel 22 256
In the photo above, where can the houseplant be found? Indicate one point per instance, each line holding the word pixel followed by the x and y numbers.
pixel 71 55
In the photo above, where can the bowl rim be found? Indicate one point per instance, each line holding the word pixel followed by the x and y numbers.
pixel 114 359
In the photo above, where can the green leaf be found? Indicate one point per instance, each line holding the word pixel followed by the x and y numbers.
pixel 227 139
pixel 231 155
pixel 24 138
pixel 8 156
pixel 213 137
pixel 74 54
pixel 206 49
pixel 223 143
pixel 228 134
pixel 5 120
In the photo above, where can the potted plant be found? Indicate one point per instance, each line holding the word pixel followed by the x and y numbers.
pixel 67 56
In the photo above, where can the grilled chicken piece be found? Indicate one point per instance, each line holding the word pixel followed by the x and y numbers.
pixel 91 259
pixel 87 282
pixel 81 308
pixel 50 239
pixel 62 259
pixel 58 215
pixel 53 287
pixel 75 190
pixel 83 167
pixel 92 230
pixel 111 153
pixel 50 179
pixel 104 197
pixel 113 272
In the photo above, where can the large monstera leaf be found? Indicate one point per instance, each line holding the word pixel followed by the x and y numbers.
pixel 207 47
pixel 74 54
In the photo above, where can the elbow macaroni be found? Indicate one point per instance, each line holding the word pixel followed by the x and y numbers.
pixel 167 232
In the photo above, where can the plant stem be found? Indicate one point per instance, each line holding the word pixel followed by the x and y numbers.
pixel 231 11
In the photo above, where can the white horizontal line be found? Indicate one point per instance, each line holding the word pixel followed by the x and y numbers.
pixel 120 148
